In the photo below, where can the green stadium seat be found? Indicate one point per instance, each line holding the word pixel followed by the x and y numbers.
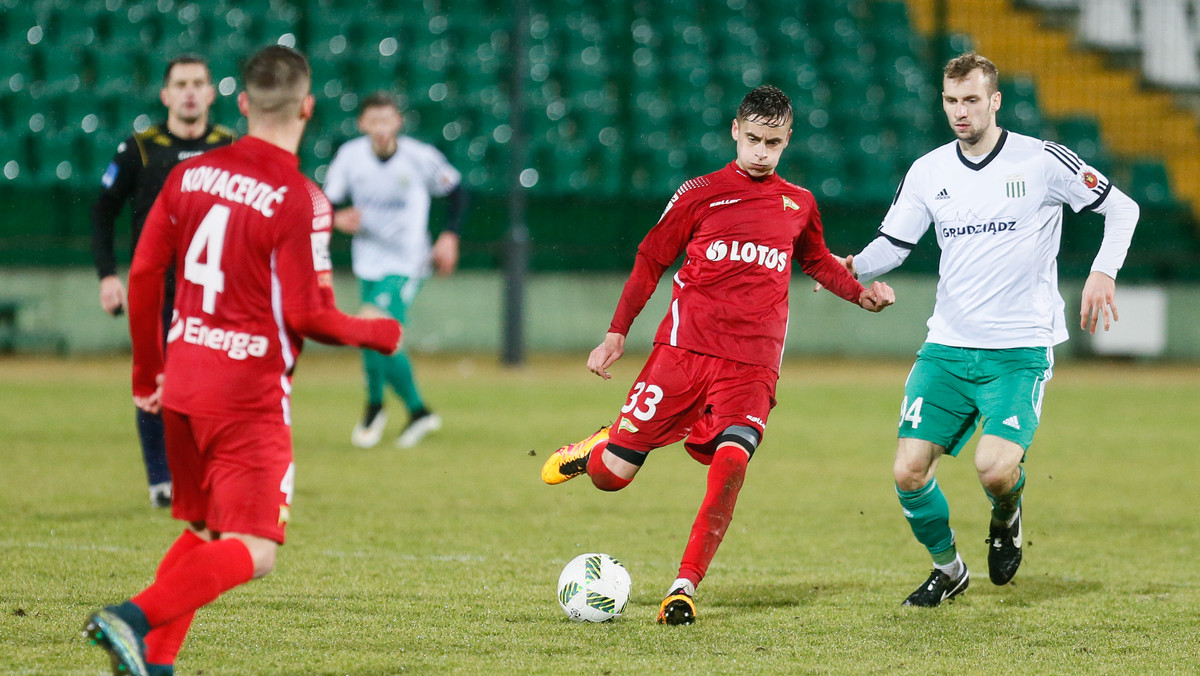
pixel 115 70
pixel 14 162
pixel 1149 184
pixel 1081 133
pixel 1019 109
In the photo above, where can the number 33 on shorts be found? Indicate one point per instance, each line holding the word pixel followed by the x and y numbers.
pixel 643 407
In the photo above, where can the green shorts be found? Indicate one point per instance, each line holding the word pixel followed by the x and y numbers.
pixel 392 294
pixel 951 388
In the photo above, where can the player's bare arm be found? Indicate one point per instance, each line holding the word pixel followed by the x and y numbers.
pixel 1099 292
pixel 445 253
pixel 347 220
pixel 112 295
pixel 605 354
pixel 876 297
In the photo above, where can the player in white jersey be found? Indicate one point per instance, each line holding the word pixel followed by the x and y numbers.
pixel 995 201
pixel 390 181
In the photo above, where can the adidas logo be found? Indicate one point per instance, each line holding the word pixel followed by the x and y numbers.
pixel 1012 422
pixel 943 195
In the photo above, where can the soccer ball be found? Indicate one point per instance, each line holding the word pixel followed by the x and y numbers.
pixel 593 588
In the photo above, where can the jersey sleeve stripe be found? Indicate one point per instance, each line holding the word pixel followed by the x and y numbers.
pixel 1099 200
pixel 899 188
pixel 1068 158
pixel 896 242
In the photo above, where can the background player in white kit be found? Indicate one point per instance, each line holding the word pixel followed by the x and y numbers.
pixel 389 181
pixel 995 199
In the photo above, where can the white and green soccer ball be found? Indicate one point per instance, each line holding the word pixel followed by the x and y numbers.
pixel 594 588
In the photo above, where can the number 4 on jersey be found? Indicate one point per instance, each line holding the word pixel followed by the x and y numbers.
pixel 208 241
pixel 912 413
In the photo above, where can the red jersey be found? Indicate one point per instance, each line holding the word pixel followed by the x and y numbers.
pixel 248 236
pixel 740 236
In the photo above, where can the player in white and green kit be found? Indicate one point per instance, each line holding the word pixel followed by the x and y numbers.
pixel 995 201
pixel 390 181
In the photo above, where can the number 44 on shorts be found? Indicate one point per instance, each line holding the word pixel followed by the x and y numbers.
pixel 911 413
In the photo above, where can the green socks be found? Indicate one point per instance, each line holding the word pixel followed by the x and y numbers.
pixel 928 515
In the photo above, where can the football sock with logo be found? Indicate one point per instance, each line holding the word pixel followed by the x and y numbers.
pixel 154 447
pixel 163 643
pixel 928 515
pixel 725 477
pixel 199 577
pixel 1004 507
pixel 603 477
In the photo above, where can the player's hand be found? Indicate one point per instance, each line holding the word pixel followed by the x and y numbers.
pixel 605 354
pixel 153 403
pixel 848 261
pixel 445 253
pixel 112 295
pixel 347 220
pixel 876 297
pixel 1099 292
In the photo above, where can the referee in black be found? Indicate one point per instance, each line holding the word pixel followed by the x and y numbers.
pixel 135 175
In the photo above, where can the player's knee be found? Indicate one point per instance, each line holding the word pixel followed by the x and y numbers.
pixel 262 553
pixel 615 467
pixel 742 437
pixel 910 473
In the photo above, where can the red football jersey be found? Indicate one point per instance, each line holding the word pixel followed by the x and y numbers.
pixel 740 236
pixel 248 236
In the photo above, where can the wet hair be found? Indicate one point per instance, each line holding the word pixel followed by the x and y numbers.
pixel 767 105
pixel 377 100
pixel 185 59
pixel 962 65
pixel 277 79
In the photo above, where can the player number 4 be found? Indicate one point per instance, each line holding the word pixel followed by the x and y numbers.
pixel 654 394
pixel 912 413
pixel 208 242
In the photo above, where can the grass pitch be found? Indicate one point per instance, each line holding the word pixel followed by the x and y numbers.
pixel 444 558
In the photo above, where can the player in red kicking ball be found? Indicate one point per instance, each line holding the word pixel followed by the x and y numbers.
pixel 710 379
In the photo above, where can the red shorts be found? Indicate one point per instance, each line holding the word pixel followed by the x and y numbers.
pixel 685 395
pixel 234 475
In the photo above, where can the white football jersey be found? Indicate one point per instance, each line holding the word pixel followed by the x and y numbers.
pixel 998 222
pixel 393 198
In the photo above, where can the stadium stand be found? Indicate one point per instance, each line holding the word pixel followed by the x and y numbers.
pixel 624 100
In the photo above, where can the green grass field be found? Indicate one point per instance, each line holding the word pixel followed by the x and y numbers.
pixel 444 558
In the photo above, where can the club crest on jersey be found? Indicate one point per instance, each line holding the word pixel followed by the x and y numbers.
pixel 626 426
pixel 1090 179
pixel 789 204
pixel 746 252
pixel 1014 185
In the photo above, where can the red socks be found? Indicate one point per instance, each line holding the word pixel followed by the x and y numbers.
pixel 163 643
pixel 725 477
pixel 602 476
pixel 195 580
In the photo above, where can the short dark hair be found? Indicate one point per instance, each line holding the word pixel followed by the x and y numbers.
pixel 277 79
pixel 185 59
pixel 768 104
pixel 377 100
pixel 962 65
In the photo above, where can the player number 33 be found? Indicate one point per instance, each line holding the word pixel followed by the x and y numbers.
pixel 654 394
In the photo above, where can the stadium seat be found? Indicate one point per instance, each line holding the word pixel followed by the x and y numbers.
pixel 1169 56
pixel 1149 184
pixel 14 164
pixel 1019 110
pixel 1081 133
pixel 1109 24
